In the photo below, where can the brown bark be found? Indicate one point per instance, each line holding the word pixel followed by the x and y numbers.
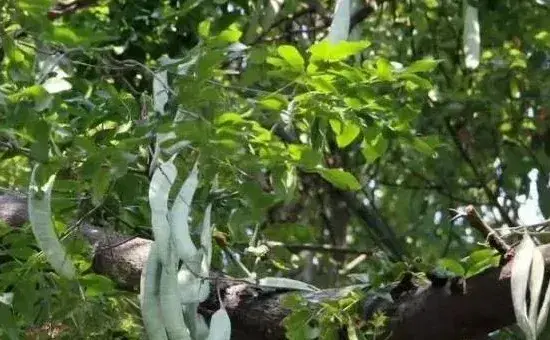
pixel 256 313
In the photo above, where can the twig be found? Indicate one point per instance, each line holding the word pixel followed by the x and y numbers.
pixel 489 233
pixel 280 21
pixel 61 8
pixel 116 244
pixel 352 264
pixel 544 223
pixel 325 248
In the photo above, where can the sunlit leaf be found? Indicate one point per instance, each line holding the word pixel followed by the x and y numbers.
pixel 423 65
pixel 332 52
pixel 345 133
pixel 291 55
pixel 383 69
pixel 230 35
pixel 339 178
pixel 273 102
pixel 204 28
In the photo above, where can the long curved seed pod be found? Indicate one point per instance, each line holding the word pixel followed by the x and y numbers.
pixel 159 189
pixel 206 243
pixel 339 29
pixel 40 216
pixel 471 36
pixel 190 285
pixel 519 280
pixel 535 287
pixel 170 303
pixel 543 313
pixel 206 233
pixel 220 326
pixel 197 325
pixel 185 247
pixel 149 297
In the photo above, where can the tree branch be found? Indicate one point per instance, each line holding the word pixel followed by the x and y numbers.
pixel 321 248
pixel 257 313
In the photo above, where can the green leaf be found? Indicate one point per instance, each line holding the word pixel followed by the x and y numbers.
pixel 375 148
pixel 452 266
pixel 414 81
pixel 274 102
pixel 480 260
pixel 423 65
pixel 482 255
pixel 291 55
pixel 100 184
pixel 305 155
pixel 40 151
pixel 66 35
pixel 344 134
pixel 8 323
pixel 35 91
pixel 297 324
pixel 339 178
pixel 275 61
pixel 328 52
pixel 384 69
pixel 96 285
pixel 481 266
pixel 229 118
pixel 230 35
pixel 204 28
pixel 323 83
pixel 422 146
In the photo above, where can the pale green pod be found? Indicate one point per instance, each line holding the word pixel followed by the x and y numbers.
pixel 149 297
pixel 40 217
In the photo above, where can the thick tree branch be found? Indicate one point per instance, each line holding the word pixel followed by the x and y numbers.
pixel 256 313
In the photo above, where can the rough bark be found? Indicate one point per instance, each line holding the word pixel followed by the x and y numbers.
pixel 425 313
